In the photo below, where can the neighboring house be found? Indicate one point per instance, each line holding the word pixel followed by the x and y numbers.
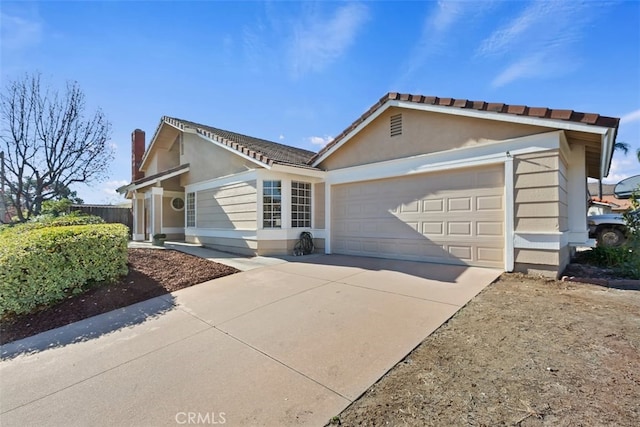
pixel 600 207
pixel 608 197
pixel 415 178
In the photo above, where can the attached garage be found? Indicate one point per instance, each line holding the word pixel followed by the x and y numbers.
pixel 454 217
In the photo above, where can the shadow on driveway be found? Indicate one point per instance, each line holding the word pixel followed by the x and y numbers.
pixel 90 328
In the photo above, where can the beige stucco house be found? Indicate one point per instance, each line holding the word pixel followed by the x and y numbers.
pixel 416 178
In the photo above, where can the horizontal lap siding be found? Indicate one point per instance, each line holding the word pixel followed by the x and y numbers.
pixel 229 207
pixel 538 190
pixel 541 206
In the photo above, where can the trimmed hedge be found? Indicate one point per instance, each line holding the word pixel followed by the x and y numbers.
pixel 41 266
pixel 43 221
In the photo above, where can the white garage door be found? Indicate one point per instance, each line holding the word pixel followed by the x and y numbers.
pixel 451 217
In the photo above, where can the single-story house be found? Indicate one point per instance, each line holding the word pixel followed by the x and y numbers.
pixel 609 203
pixel 414 178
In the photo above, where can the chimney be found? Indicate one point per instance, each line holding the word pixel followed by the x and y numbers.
pixel 137 151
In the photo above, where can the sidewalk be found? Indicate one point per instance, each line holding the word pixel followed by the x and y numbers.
pixel 241 262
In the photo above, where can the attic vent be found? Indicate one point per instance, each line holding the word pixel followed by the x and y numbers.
pixel 396 125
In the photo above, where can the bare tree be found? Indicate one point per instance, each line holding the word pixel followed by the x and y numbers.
pixel 49 142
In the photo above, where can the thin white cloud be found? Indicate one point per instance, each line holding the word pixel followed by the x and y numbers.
pixel 542 25
pixel 318 42
pixel 319 140
pixel 18 33
pixel 622 167
pixel 281 137
pixel 633 116
pixel 435 36
pixel 538 40
pixel 447 13
pixel 535 65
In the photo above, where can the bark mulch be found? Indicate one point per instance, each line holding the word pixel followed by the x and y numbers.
pixel 152 272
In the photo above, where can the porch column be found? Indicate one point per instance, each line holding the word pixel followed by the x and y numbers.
pixel 577 196
pixel 156 210
pixel 138 217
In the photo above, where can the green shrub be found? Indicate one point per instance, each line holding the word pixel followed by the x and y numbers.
pixel 42 221
pixel 608 256
pixel 41 266
pixel 56 207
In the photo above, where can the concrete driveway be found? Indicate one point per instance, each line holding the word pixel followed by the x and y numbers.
pixel 288 344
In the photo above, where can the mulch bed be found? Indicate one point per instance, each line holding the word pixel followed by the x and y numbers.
pixel 152 272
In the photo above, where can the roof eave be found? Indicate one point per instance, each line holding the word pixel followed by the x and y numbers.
pixel 164 120
pixel 513 114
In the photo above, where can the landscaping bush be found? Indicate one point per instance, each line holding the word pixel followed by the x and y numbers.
pixel 625 259
pixel 41 266
pixel 42 221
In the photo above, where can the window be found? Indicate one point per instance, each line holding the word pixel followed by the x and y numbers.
pixel 300 204
pixel 396 125
pixel 272 204
pixel 177 203
pixel 191 209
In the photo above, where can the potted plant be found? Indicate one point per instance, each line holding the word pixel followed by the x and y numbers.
pixel 158 239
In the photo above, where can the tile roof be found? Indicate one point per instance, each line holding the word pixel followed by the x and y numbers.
pixel 493 107
pixel 184 167
pixel 268 152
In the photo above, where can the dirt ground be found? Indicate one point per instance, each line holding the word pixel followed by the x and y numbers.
pixel 527 351
pixel 152 272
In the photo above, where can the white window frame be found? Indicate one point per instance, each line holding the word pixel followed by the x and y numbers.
pixel 184 204
pixel 187 210
pixel 267 210
pixel 295 205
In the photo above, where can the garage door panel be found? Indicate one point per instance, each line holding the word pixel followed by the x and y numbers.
pixel 430 228
pixel 455 217
pixel 433 205
pixel 489 254
pixel 459 204
pixel 459 228
pixel 484 228
pixel 489 203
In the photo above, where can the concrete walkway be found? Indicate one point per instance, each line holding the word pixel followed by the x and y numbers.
pixel 287 344
pixel 242 263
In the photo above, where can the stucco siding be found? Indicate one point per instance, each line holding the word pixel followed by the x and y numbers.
pixel 318 204
pixel 152 166
pixel 422 132
pixel 285 247
pixel 209 161
pixel 229 207
pixel 236 246
pixel 170 216
pixel 162 159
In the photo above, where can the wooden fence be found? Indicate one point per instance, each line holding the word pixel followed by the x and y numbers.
pixel 111 214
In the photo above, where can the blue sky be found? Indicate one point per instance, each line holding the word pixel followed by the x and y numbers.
pixel 301 72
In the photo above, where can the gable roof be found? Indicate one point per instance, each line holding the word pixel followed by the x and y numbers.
pixel 152 179
pixel 479 106
pixel 267 152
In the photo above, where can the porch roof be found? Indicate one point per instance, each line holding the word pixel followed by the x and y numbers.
pixel 153 179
